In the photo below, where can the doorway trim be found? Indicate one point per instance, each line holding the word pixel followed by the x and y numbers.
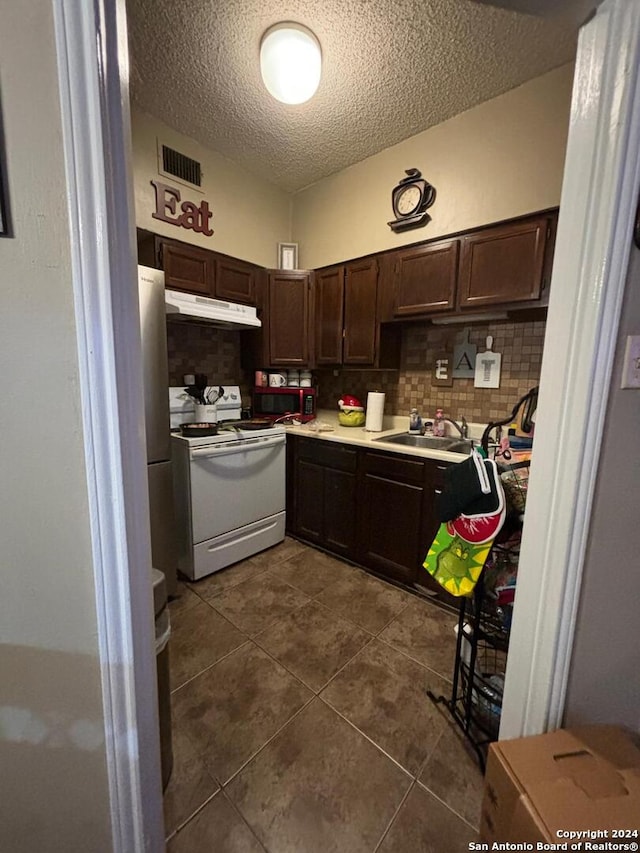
pixel 92 57
pixel 597 210
pixel 599 193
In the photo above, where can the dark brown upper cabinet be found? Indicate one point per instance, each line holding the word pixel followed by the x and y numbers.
pixel 347 329
pixel 360 297
pixel 287 319
pixel 187 267
pixel 426 278
pixel 329 314
pixel 195 270
pixel 504 264
pixel 235 280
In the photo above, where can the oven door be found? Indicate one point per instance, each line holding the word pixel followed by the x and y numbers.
pixel 236 483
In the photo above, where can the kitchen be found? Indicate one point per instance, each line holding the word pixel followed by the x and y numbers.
pixel 223 355
pixel 63 417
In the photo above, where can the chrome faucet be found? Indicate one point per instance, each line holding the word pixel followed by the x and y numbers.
pixel 462 427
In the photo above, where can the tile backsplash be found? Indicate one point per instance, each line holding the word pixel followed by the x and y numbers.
pixel 520 345
pixel 195 348
pixel 201 349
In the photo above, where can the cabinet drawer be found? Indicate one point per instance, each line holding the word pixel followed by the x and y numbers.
pixel 394 467
pixel 437 473
pixel 336 456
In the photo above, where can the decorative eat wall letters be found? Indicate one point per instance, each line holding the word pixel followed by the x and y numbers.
pixel 192 216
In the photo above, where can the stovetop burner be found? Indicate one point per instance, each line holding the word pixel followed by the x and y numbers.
pixel 231 431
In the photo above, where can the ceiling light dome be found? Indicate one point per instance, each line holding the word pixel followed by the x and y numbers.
pixel 290 62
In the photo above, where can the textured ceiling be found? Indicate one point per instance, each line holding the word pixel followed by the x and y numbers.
pixel 391 68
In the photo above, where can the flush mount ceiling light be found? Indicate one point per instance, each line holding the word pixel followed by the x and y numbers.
pixel 290 62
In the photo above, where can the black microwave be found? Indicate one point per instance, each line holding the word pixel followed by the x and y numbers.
pixel 276 403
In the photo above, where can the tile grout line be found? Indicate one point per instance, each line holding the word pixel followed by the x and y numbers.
pixel 197 811
pixel 264 628
pixel 190 583
pixel 286 669
pixel 242 818
pixel 446 805
pixel 266 743
pixel 415 660
pixel 211 665
pixel 345 665
pixel 395 815
pixel 368 737
pixel 230 587
pixel 317 692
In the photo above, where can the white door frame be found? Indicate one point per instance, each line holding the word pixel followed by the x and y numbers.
pixel 598 201
pixel 92 54
pixel 597 211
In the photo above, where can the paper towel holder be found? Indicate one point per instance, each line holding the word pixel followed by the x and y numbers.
pixel 375 411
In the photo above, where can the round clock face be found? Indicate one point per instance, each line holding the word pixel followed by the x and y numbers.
pixel 408 200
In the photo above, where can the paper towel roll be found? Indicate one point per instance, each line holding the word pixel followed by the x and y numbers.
pixel 375 411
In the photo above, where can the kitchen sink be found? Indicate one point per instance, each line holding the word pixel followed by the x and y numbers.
pixel 430 442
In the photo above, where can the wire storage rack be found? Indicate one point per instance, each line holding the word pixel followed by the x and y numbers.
pixel 484 621
pixel 482 644
pixel 483 629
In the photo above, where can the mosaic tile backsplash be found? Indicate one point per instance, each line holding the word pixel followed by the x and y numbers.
pixel 216 352
pixel 520 345
pixel 195 348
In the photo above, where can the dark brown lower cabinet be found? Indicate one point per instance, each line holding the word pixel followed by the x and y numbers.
pixel 390 515
pixel 374 508
pixel 324 495
pixel 430 524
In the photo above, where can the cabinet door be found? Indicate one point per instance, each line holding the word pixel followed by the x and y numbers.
pixel 323 500
pixel 503 264
pixel 339 499
pixel 308 502
pixel 426 279
pixel 235 280
pixel 429 526
pixel 360 331
pixel 329 299
pixel 187 268
pixel 392 492
pixel 288 319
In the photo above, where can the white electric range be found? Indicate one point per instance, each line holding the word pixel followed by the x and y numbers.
pixel 229 488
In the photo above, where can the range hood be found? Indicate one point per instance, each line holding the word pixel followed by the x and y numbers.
pixel 213 312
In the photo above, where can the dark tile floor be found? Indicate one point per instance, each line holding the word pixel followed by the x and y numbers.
pixel 300 720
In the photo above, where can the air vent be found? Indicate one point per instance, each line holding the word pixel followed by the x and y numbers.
pixel 180 166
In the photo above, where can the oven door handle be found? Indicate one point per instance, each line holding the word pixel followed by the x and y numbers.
pixel 228 448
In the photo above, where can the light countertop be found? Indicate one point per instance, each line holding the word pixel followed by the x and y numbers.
pixel 392 425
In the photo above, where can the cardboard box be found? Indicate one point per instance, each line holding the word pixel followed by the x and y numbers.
pixel 570 780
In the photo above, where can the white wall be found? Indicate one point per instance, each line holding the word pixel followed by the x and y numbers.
pixel 604 680
pixel 250 215
pixel 501 159
pixel 53 782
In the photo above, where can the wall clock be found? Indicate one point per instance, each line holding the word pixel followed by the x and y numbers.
pixel 410 200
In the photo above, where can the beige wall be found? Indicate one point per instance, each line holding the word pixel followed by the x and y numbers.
pixel 250 215
pixel 501 159
pixel 604 680
pixel 53 783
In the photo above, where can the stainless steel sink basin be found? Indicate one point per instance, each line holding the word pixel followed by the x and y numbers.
pixel 429 442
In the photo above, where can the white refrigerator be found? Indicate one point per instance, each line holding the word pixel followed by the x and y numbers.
pixel 153 326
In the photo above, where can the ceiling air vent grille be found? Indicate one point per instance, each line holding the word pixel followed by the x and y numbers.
pixel 181 166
